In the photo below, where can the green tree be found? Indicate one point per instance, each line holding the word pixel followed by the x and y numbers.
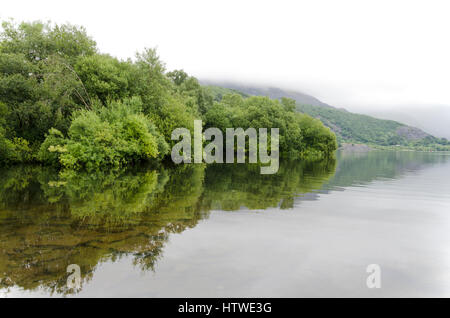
pixel 104 76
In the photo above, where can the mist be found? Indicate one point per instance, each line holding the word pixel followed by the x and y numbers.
pixel 360 56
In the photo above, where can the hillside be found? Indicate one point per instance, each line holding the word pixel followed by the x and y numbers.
pixel 272 92
pixel 219 91
pixel 349 127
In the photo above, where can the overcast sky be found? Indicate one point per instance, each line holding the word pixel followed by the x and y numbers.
pixel 353 54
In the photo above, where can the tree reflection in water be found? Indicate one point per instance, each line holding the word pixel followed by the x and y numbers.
pixel 50 219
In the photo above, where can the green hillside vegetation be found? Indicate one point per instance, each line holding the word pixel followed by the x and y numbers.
pixel 219 92
pixel 356 128
pixel 348 127
pixel 64 103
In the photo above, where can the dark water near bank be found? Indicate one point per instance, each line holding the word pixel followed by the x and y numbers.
pixel 225 230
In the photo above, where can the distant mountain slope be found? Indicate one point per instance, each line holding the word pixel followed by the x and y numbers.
pixel 272 92
pixel 219 91
pixel 349 127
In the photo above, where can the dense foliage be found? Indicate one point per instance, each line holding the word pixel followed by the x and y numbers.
pixel 62 102
pixel 108 136
pixel 300 135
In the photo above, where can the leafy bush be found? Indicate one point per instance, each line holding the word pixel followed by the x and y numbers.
pixel 109 136
pixel 53 145
pixel 16 150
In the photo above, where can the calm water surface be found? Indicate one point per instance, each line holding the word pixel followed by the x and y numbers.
pixel 310 230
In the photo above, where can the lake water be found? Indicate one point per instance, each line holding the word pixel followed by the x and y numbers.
pixel 225 230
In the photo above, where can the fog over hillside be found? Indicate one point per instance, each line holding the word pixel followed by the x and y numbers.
pixel 270 91
pixel 433 119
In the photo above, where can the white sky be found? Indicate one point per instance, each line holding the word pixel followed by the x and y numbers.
pixel 354 54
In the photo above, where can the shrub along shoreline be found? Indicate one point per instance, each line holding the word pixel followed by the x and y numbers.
pixel 64 103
